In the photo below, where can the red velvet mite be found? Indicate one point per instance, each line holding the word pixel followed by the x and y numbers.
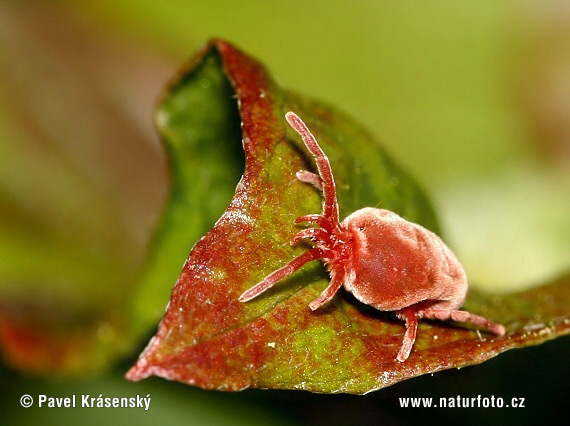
pixel 382 259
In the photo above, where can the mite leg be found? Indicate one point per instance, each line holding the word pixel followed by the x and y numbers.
pixel 318 219
pixel 310 218
pixel 313 234
pixel 311 178
pixel 463 316
pixel 328 293
pixel 330 210
pixel 279 274
pixel 411 319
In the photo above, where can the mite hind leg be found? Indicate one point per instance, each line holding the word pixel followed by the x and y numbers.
pixel 410 317
pixel 463 316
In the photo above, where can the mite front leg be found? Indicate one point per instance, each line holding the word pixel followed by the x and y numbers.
pixel 314 234
pixel 408 315
pixel 328 293
pixel 318 219
pixel 312 178
pixel 463 316
pixel 330 210
pixel 279 274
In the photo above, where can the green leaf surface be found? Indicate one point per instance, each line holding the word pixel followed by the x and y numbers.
pixel 207 337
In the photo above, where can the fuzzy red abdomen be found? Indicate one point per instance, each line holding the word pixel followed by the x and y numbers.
pixel 397 263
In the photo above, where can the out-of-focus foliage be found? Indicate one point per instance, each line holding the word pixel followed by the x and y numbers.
pixel 81 183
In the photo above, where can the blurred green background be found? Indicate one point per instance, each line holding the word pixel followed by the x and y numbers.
pixel 472 97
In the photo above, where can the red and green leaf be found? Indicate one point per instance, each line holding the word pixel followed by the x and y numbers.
pixel 207 337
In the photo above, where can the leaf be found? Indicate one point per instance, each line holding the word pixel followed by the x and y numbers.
pixel 208 338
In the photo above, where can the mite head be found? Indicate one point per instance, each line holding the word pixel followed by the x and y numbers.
pixel 368 221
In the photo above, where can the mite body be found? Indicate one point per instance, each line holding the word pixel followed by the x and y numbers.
pixel 384 260
pixel 397 264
